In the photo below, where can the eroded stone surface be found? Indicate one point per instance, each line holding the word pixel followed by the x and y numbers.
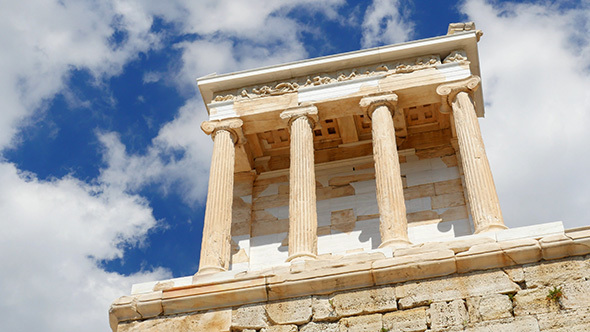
pixel 554 273
pixel 420 293
pixel 208 321
pixel 291 311
pixel 365 301
pixel 366 323
pixel 249 316
pixel 527 324
pixel 319 327
pixel 444 315
pixel 323 308
pixel 490 307
pixel 411 320
pixel 280 328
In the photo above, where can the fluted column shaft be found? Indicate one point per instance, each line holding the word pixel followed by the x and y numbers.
pixel 216 243
pixel 303 219
pixel 390 193
pixel 481 191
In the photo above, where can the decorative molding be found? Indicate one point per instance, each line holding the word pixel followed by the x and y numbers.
pixel 463 27
pixel 370 104
pixel 450 90
pixel 233 125
pixel 456 56
pixel 309 111
pixel 390 68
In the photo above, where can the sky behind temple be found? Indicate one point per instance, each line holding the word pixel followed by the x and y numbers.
pixel 103 167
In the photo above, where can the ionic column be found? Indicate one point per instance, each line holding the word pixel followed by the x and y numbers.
pixel 303 218
pixel 390 191
pixel 216 245
pixel 481 191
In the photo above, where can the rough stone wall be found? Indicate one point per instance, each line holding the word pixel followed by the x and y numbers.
pixel 348 215
pixel 544 296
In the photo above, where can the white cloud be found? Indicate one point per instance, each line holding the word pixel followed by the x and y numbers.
pixel 535 71
pixel 384 23
pixel 53 233
pixel 42 41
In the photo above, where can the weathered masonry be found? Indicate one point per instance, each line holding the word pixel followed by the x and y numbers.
pixel 353 193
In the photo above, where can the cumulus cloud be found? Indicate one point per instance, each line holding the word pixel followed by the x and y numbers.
pixel 384 23
pixel 536 78
pixel 53 234
pixel 43 41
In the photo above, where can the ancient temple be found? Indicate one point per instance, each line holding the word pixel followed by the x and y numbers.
pixel 353 193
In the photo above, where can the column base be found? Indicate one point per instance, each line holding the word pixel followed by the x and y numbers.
pixel 491 228
pixel 210 270
pixel 395 243
pixel 304 256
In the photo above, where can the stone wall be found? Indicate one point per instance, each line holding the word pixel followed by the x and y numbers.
pixel 516 298
pixel 348 215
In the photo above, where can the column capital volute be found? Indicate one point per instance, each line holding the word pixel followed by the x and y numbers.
pixel 370 103
pixel 309 111
pixel 233 126
pixel 449 91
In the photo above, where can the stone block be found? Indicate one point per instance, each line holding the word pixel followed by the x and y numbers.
pixel 323 309
pixel 290 311
pixel 365 301
pixel 422 215
pixel 565 320
pixel 249 316
pixel 271 201
pixel 445 315
pixel 447 187
pixel 343 220
pixel 454 213
pixel 450 161
pixel 462 245
pixel 524 324
pixel 533 301
pixel 420 266
pixel 575 295
pixel 219 320
pixel 411 320
pixel 344 180
pixel 515 273
pixel 319 327
pixel 554 273
pixel 367 323
pixel 483 256
pixel 414 192
pixel 522 251
pixel 280 328
pixel 419 293
pixel 333 192
pixel 496 306
pixel 267 227
pixel 448 200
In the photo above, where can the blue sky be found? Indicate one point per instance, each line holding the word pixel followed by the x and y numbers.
pixel 104 168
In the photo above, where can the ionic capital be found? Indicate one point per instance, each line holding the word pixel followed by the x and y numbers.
pixel 233 126
pixel 370 104
pixel 449 91
pixel 309 111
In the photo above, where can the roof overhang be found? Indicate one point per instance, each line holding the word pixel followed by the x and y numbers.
pixel 442 46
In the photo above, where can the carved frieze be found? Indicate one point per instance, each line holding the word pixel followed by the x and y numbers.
pixel 390 68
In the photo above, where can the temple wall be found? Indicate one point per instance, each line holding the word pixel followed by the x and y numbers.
pixel 515 298
pixel 348 215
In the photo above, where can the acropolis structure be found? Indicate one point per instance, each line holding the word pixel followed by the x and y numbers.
pixel 353 192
